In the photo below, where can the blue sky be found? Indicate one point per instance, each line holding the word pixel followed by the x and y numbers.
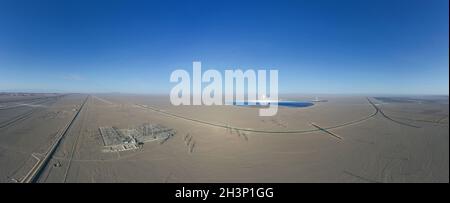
pixel 320 46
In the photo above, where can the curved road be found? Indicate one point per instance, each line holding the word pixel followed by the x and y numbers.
pixel 376 111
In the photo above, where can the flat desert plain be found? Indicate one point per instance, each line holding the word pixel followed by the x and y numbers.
pixel 56 138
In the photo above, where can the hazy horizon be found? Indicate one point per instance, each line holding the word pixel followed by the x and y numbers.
pixel 25 91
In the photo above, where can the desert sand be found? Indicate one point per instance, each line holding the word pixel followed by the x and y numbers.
pixel 378 139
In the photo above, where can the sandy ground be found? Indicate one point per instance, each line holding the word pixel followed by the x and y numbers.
pixel 27 127
pixel 407 142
